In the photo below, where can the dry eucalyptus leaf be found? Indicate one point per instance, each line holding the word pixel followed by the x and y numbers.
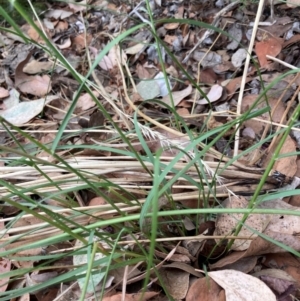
pixel 35 85
pixel 131 297
pixel 175 281
pixel 281 87
pixel 161 81
pixel 58 14
pixel 286 165
pixel 114 56
pixel 148 89
pixel 238 57
pixel 240 286
pixel 276 273
pixel 277 226
pixel 213 95
pixel 34 67
pixel 207 59
pixel 175 257
pixel 248 133
pixel 283 227
pixel 256 125
pixel 85 101
pixel 184 267
pixel 293 3
pixel 226 223
pixel 78 6
pixel 193 246
pixel 118 273
pixel 177 96
pixel 142 72
pixel 260 246
pixel 244 265
pixel 205 290
pixel 40 277
pixel 279 281
pixel 24 111
pixel 236 32
pixel 270 46
pixel 135 48
pixel 106 63
pixel 3 93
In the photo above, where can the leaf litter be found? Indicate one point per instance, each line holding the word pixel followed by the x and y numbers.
pixel 130 82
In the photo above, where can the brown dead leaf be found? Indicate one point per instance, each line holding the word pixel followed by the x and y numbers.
pixel 295 200
pixel 238 57
pixel 281 260
pixel 259 246
pixel 270 46
pixel 78 6
pixel 175 281
pixel 96 120
pixel 225 223
pixel 178 96
pixel 285 165
pixel 244 265
pixel 23 112
pixel 3 93
pixel 86 102
pixel 61 26
pixel 208 76
pixel 256 125
pixel 81 41
pixel 281 228
pixel 281 283
pixel 183 112
pixel 58 14
pixel 280 28
pixel 35 85
pixel 213 95
pixel 293 3
pixel 284 261
pixel 233 84
pixel 178 15
pixel 135 48
pixel 110 60
pixel 99 200
pixel 33 34
pixel 131 297
pixel 205 290
pixel 170 39
pixel 51 293
pixel 231 259
pixel 241 286
pixel 223 67
pixel 184 267
pixel 37 277
pixel 142 72
pixel 131 272
pixel 34 67
pixel 293 40
pixel 172 71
